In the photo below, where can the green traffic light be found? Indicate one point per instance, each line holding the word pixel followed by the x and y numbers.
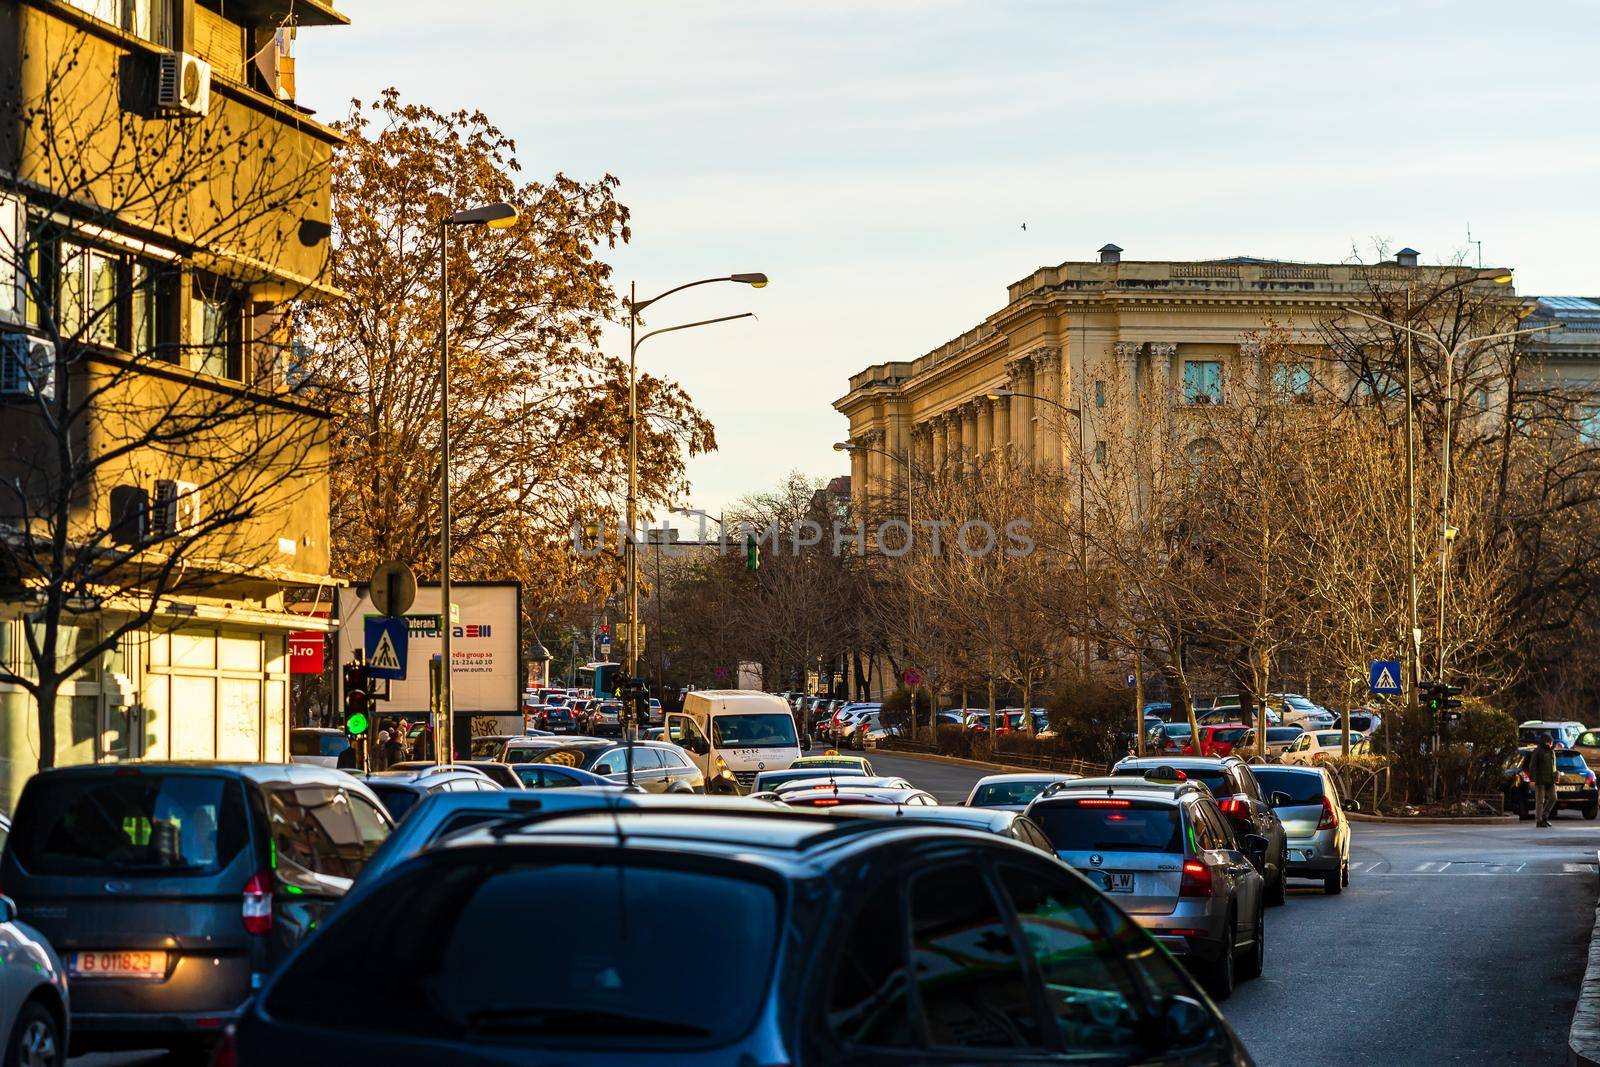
pixel 356 724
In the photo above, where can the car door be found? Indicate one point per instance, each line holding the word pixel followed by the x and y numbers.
pixel 1263 820
pixel 1226 856
pixel 318 851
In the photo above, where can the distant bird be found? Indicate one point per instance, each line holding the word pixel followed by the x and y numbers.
pixel 1024 225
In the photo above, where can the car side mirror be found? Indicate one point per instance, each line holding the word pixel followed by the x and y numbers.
pixel 1279 799
pixel 1352 804
pixel 604 768
pixel 1255 846
pixel 1184 1020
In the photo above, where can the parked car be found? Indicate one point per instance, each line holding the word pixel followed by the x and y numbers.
pixel 1303 711
pixel 1278 739
pixel 921 923
pixel 1565 734
pixel 1161 848
pixel 1309 747
pixel 1171 737
pixel 172 889
pixel 658 767
pixel 1240 799
pixel 1012 792
pixel 399 790
pixel 1575 785
pixel 317 746
pixel 1001 821
pixel 1217 740
pixel 1313 817
pixel 35 1016
pixel 522 749
pixel 502 774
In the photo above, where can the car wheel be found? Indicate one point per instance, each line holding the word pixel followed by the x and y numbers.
pixel 1334 882
pixel 1592 810
pixel 35 1039
pixel 1278 892
pixel 1257 960
pixel 1519 804
pixel 1220 975
pixel 1344 877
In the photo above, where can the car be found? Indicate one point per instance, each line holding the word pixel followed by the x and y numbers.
pixel 522 749
pixel 558 776
pixel 1012 792
pixel 399 790
pixel 832 759
pixel 1564 733
pixel 658 767
pixel 489 746
pixel 844 792
pixel 604 719
pixel 1303 711
pixel 439 815
pixel 1002 821
pixel 1362 721
pixel 1240 799
pixel 35 1015
pixel 845 721
pixel 173 888
pixel 1169 738
pixel 842 939
pixel 1278 739
pixel 559 719
pixel 502 774
pixel 831 779
pixel 317 746
pixel 864 730
pixel 1575 785
pixel 1217 740
pixel 1160 709
pixel 767 781
pixel 1316 745
pixel 1161 848
pixel 654 714
pixel 1313 817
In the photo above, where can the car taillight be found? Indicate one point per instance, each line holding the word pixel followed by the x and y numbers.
pixel 1524 776
pixel 1588 776
pixel 1329 818
pixel 1196 880
pixel 257 912
pixel 1104 802
pixel 1235 807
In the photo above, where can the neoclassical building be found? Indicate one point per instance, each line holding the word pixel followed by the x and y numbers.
pixel 1178 333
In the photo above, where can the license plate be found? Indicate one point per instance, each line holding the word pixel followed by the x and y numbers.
pixel 1302 855
pixel 1568 788
pixel 118 965
pixel 1116 881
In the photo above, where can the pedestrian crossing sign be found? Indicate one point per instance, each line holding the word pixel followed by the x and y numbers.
pixel 386 645
pixel 1384 676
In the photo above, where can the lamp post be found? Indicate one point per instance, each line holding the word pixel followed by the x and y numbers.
pixel 850 446
pixel 631 558
pixel 496 216
pixel 1446 534
pixel 1083 518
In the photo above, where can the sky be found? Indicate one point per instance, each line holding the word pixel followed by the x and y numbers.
pixel 878 159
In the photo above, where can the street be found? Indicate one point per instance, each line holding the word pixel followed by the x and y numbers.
pixel 1452 944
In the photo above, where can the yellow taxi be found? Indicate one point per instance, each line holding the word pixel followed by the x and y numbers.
pixel 832 760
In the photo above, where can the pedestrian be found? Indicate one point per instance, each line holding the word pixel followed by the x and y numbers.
pixel 349 759
pixel 389 744
pixel 1542 769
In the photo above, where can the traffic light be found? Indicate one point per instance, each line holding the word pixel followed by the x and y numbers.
pixel 357 701
pixel 752 553
pixel 1442 700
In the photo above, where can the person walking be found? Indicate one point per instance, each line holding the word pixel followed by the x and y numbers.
pixel 1542 769
pixel 393 750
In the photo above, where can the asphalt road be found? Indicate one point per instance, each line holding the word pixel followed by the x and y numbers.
pixel 1452 944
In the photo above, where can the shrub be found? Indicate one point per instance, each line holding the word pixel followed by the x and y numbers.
pixel 897 704
pixel 953 740
pixel 1093 720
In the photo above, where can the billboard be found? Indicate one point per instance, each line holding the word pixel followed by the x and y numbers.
pixel 483 644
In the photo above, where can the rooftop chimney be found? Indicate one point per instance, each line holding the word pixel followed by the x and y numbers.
pixel 1406 257
pixel 1110 254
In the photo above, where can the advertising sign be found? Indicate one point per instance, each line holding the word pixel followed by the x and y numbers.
pixel 483 645
pixel 306 652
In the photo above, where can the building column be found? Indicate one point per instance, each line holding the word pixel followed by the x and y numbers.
pixel 985 428
pixel 941 444
pixel 858 479
pixel 1047 383
pixel 1162 354
pixel 1002 426
pixel 1021 417
pixel 876 466
pixel 968 413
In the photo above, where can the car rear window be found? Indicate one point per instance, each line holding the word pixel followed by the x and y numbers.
pixel 129 822
pixel 1571 762
pixel 1302 788
pixel 1229 735
pixel 316 744
pixel 1108 825
pixel 447 956
pixel 1283 733
pixel 397 799
pixel 1213 778
pixel 995 793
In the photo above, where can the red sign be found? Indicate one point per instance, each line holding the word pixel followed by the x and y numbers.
pixel 306 652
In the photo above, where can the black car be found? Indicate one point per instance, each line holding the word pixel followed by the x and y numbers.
pixel 1239 796
pixel 171 890
pixel 839 940
pixel 559 719
pixel 1575 785
pixel 399 790
pixel 658 766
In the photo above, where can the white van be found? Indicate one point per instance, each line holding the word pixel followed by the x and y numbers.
pixel 737 730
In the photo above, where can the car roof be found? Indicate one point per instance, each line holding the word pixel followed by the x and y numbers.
pixel 989 820
pixel 1292 768
pixel 1130 787
pixel 857 782
pixel 1180 762
pixel 265 773
pixel 1028 776
pixel 417 775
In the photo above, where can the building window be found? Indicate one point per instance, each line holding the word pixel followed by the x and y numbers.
pixel 13 228
pixel 154 313
pixel 1099 394
pixel 1589 424
pixel 218 321
pixel 1483 400
pixel 1099 453
pixel 150 20
pixel 89 308
pixel 1384 386
pixel 1202 382
pixel 1291 381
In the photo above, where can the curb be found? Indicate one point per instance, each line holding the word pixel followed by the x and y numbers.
pixel 1583 1039
pixel 1407 820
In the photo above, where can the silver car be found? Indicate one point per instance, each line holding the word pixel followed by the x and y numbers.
pixel 1013 792
pixel 1164 852
pixel 1314 821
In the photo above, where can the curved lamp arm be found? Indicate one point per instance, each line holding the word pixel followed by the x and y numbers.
pixel 690 325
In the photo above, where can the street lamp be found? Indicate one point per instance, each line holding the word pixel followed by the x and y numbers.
pixel 1083 518
pixel 631 560
pixel 495 216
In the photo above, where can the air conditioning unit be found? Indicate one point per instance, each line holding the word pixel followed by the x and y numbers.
pixel 185 84
pixel 176 508
pixel 27 366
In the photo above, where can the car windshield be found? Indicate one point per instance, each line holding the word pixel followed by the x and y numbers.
pixel 397 799
pixel 994 794
pixel 1135 827
pixel 1571 762
pixel 486 747
pixel 583 756
pixel 307 743
pixel 127 821
pixel 1229 734
pixel 419 967
pixel 1302 788
pixel 1213 778
pixel 753 731
pixel 1176 729
pixel 1332 739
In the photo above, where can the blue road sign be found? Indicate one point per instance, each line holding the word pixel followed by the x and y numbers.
pixel 1383 676
pixel 386 647
pixel 1131 680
